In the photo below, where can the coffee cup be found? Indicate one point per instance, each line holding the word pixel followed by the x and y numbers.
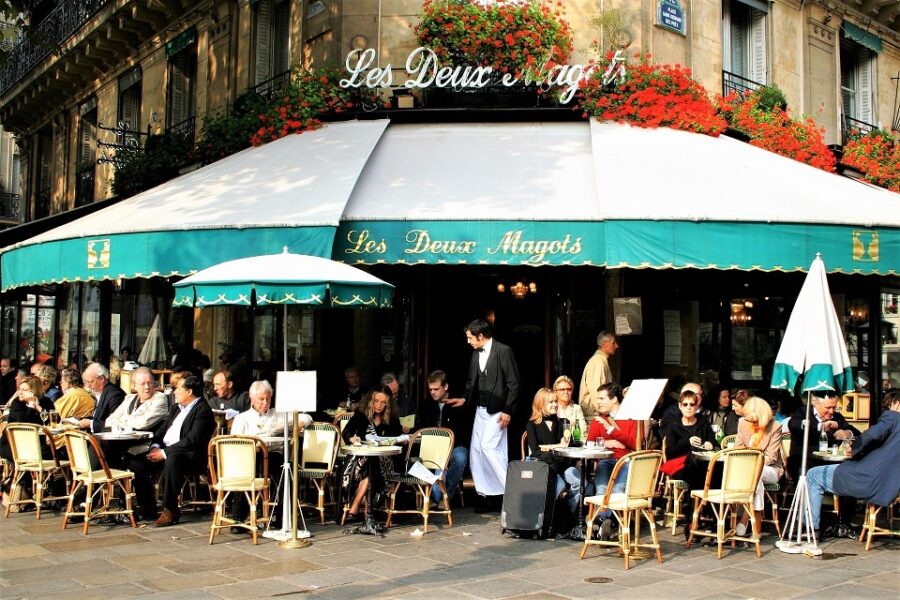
pixel 591 444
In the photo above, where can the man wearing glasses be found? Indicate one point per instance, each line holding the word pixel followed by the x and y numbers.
pixel 108 395
pixel 596 373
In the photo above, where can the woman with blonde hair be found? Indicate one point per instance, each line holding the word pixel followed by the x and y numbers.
pixel 545 433
pixel 568 410
pixel 371 422
pixel 758 429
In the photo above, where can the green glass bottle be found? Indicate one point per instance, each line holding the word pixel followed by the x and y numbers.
pixel 576 432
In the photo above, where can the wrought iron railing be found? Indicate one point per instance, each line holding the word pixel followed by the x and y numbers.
pixel 853 128
pixel 62 22
pixel 273 84
pixel 732 82
pixel 9 206
pixel 185 130
pixel 42 204
pixel 84 186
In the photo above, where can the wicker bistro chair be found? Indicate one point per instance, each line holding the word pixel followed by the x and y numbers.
pixel 320 449
pixel 630 505
pixel 727 442
pixel 673 490
pixel 232 468
pixel 100 484
pixel 341 421
pixel 741 472
pixel 25 444
pixel 434 447
pixel 870 526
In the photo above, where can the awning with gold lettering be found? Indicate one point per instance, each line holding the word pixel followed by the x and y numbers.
pixel 608 195
pixel 290 193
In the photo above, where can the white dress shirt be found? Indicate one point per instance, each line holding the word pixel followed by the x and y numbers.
pixel 173 435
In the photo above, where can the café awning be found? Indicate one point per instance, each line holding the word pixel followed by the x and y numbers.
pixel 290 192
pixel 607 195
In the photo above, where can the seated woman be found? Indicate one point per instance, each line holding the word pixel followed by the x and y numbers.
pixel 26 407
pixel 568 410
pixel 683 436
pixel 543 429
pixel 373 419
pixel 758 429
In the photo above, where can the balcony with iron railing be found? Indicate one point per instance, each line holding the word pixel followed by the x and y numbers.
pixel 185 131
pixel 61 24
pixel 41 204
pixel 854 128
pixel 732 82
pixel 9 207
pixel 272 85
pixel 84 186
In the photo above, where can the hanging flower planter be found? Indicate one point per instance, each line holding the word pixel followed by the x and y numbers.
pixel 876 156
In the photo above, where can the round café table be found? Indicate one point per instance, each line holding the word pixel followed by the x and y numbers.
pixel 582 454
pixel 829 456
pixel 370 526
pixel 123 436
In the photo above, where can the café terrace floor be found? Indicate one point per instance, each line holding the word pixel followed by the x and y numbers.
pixel 472 559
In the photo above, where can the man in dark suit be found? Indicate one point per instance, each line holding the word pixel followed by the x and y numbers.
pixel 492 388
pixel 822 418
pixel 108 395
pixel 454 414
pixel 178 450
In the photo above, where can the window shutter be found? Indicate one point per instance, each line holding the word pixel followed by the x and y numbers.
pixel 866 90
pixel 180 87
pixel 740 40
pixel 46 160
pixel 758 46
pixel 281 33
pixel 87 140
pixel 263 67
pixel 16 170
pixel 129 109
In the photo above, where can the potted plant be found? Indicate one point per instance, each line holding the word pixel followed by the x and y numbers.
pixel 877 155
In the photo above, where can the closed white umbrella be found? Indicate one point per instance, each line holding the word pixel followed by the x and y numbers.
pixel 154 351
pixel 813 354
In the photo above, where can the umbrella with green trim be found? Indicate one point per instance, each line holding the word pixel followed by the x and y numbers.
pixel 812 357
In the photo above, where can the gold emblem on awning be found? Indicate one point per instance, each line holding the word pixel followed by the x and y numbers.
pixel 865 245
pixel 98 254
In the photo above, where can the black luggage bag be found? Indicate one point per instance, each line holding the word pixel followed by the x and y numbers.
pixel 528 498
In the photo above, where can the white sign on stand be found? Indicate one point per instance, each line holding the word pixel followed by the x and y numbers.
pixel 296 391
pixel 641 399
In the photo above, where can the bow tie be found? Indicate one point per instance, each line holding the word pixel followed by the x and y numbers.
pixel 481 349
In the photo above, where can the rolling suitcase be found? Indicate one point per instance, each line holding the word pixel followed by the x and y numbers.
pixel 528 500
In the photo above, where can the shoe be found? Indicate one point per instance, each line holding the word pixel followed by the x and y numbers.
pixel 842 531
pixel 168 518
pixel 353 518
pixel 606 529
pixel 236 529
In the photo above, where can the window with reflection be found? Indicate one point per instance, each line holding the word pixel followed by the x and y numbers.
pixel 757 327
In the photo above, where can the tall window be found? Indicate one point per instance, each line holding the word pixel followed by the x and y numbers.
pixel 744 45
pixel 129 109
pixel 858 83
pixel 272 24
pixel 87 150
pixel 44 177
pixel 180 100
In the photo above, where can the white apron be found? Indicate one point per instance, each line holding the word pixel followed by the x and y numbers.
pixel 488 456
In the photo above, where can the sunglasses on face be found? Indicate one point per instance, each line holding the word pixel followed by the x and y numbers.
pixel 688 404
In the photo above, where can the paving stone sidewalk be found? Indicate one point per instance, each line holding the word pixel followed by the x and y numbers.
pixel 472 559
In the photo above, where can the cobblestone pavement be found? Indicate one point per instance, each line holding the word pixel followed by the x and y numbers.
pixel 471 559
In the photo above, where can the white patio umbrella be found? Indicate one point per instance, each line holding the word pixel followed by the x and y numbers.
pixel 284 279
pixel 812 352
pixel 154 351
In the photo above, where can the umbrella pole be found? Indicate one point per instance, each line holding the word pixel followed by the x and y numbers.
pixel 294 541
pixel 284 329
pixel 800 514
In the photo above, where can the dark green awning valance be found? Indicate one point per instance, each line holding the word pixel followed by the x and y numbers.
pixel 760 5
pixel 863 37
pixel 181 41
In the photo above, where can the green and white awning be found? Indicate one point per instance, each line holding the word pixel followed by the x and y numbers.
pixel 290 192
pixel 607 195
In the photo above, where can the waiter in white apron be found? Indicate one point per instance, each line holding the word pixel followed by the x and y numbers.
pixel 493 388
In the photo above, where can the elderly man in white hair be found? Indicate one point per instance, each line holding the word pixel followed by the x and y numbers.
pixel 261 420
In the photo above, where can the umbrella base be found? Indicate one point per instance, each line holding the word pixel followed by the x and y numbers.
pixel 789 547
